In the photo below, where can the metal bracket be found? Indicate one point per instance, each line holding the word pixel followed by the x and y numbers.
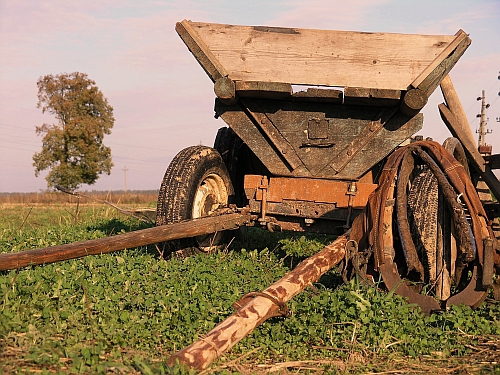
pixel 352 191
pixel 264 186
pixel 283 308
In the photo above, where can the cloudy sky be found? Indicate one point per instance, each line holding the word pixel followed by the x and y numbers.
pixel 163 100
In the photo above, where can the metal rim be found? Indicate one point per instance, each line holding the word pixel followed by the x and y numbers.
pixel 210 195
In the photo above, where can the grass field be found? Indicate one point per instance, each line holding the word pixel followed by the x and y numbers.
pixel 127 312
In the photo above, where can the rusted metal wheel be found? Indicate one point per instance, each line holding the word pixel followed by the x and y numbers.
pixel 196 184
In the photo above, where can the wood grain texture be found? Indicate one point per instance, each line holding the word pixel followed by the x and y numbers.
pixel 395 131
pixel 200 51
pixel 237 119
pixel 321 57
pixel 476 159
pixel 129 240
pixel 253 311
pixel 460 38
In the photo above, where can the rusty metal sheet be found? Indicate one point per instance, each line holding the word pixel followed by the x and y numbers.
pixel 311 190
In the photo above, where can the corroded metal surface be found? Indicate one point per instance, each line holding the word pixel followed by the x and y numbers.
pixel 313 200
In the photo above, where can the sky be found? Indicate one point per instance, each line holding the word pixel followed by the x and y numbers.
pixel 163 100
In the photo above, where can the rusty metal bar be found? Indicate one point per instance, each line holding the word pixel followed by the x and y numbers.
pixel 142 237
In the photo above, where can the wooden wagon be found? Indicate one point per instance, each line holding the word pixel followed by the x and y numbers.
pixel 317 120
pixel 312 116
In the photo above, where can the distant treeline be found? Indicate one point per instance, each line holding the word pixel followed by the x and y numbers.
pixel 49 197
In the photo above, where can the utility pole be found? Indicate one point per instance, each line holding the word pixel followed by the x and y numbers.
pixel 498 118
pixel 125 179
pixel 481 142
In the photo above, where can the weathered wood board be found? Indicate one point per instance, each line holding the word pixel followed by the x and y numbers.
pixel 301 139
pixel 316 57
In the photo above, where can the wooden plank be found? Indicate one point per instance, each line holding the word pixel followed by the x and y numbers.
pixel 264 90
pixel 321 57
pixel 130 240
pixel 371 96
pixel 460 36
pixel 200 51
pixel 275 137
pixel 314 94
pixel 394 132
pixel 430 83
pixel 236 119
pixel 371 131
pixel 477 160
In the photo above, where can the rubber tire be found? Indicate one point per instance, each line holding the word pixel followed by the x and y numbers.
pixel 239 160
pixel 186 176
pixel 430 223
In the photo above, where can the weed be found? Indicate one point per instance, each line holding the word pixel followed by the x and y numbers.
pixel 128 311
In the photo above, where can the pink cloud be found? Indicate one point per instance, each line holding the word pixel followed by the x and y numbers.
pixel 462 20
pixel 320 14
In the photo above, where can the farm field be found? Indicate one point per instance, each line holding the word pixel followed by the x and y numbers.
pixel 128 311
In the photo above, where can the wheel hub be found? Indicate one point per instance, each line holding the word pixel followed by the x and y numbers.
pixel 210 195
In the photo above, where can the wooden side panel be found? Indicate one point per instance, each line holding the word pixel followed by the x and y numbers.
pixel 321 57
pixel 237 120
pixel 316 134
pixel 398 129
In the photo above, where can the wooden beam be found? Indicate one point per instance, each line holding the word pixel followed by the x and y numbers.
pixel 129 240
pixel 200 51
pixel 413 101
pixel 225 90
pixel 264 90
pixel 459 126
pixel 477 160
pixel 258 307
pixel 458 132
pixel 371 96
pixel 455 106
pixel 430 77
pixel 320 95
